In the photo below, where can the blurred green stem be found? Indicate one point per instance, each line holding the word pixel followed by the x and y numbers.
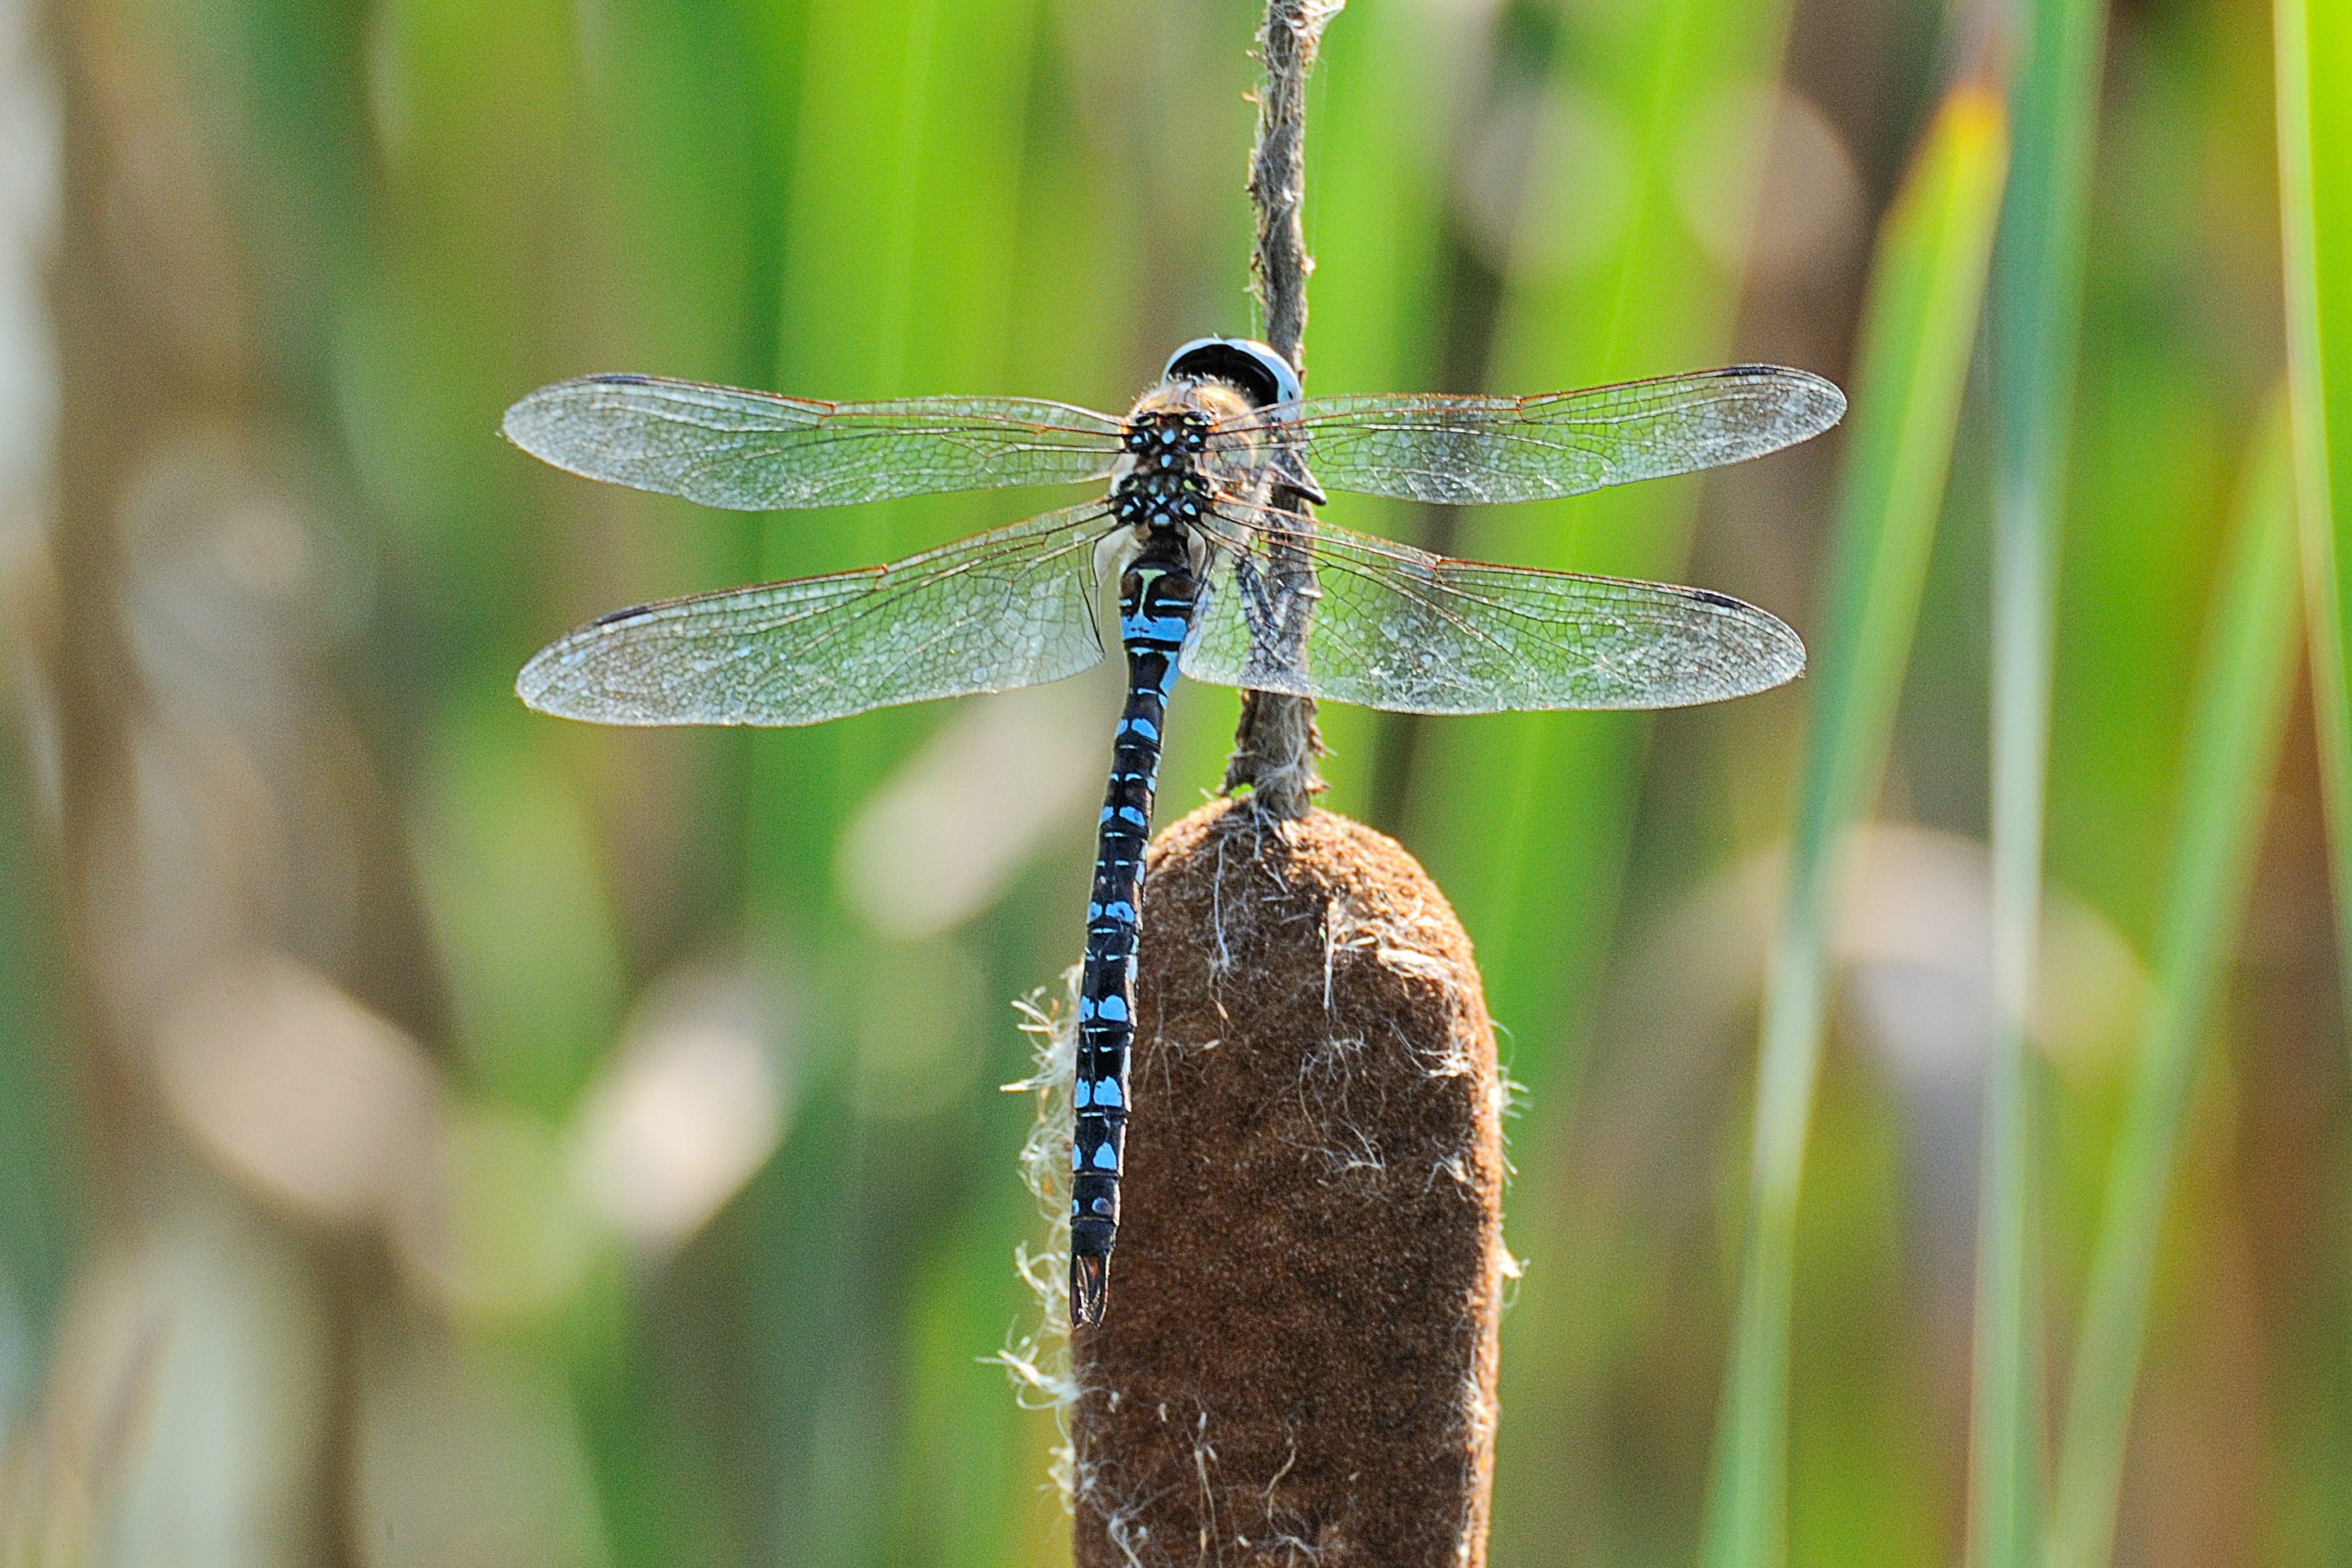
pixel 2314 96
pixel 2036 312
pixel 1921 323
pixel 2237 718
pixel 39 1113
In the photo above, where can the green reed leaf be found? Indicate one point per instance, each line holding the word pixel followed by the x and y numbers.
pixel 1926 287
pixel 2036 314
pixel 2237 719
pixel 2314 39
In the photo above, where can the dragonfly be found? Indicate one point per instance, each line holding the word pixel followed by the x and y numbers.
pixel 1222 573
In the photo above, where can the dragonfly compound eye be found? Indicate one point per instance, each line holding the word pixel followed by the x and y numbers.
pixel 1261 375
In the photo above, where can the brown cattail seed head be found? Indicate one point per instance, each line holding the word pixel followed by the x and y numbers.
pixel 1298 1360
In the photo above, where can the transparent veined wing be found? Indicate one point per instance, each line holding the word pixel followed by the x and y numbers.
pixel 1465 451
pixel 755 451
pixel 1013 607
pixel 1394 627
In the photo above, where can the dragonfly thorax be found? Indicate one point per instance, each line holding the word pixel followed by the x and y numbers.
pixel 1164 485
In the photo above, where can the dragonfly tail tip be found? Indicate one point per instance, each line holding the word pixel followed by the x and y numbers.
pixel 1090 1287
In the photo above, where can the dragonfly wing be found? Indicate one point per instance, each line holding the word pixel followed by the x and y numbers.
pixel 755 451
pixel 1010 608
pixel 1465 451
pixel 1394 627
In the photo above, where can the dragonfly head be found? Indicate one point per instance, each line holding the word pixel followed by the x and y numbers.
pixel 1262 375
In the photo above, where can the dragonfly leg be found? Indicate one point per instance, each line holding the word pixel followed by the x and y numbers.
pixel 1275 599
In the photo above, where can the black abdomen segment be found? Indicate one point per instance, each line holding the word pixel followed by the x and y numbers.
pixel 1156 601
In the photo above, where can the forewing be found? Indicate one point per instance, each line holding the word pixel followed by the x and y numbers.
pixel 754 451
pixel 1465 451
pixel 999 610
pixel 1398 628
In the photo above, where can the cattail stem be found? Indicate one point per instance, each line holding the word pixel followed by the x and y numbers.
pixel 1275 745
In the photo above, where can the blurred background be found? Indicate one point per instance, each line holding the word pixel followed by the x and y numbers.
pixel 431 1134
